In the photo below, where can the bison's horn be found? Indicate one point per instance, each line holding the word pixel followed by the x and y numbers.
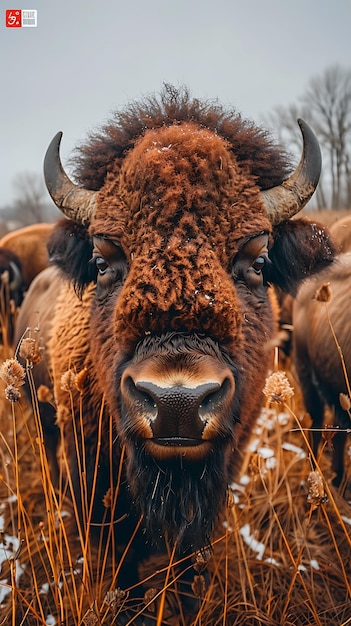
pixel 287 199
pixel 75 202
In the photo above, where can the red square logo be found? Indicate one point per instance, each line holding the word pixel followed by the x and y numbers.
pixel 13 18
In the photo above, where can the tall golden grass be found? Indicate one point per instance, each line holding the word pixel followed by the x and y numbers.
pixel 281 551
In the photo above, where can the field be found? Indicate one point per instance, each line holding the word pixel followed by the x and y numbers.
pixel 281 553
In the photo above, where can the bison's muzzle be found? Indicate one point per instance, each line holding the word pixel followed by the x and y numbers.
pixel 178 409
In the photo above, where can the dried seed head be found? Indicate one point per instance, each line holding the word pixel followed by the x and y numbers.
pixel 278 388
pixel 12 393
pixel 30 351
pixel 345 401
pixel 254 467
pixel 316 494
pixel 199 586
pixel 107 499
pixel 64 415
pixel 90 618
pixel 81 379
pixel 328 434
pixel 68 381
pixel 12 373
pixel 323 293
pixel 149 595
pixel 116 597
pixel 202 558
pixel 45 394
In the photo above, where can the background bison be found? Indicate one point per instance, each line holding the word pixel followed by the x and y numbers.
pixel 341 234
pixel 321 344
pixel 23 254
pixel 157 346
pixel 30 245
pixel 11 293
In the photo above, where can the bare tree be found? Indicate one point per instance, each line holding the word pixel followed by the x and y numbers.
pixel 329 101
pixel 30 197
pixel 283 122
pixel 326 106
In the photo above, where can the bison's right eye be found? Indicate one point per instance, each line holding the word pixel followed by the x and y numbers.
pixel 101 265
pixel 259 263
pixel 111 265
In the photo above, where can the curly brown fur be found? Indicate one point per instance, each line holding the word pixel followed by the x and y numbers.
pixel 266 161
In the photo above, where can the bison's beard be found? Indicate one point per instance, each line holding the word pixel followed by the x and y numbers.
pixel 179 501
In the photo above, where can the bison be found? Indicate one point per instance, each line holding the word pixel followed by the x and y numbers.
pixel 23 254
pixel 30 245
pixel 11 293
pixel 11 274
pixel 341 234
pixel 178 224
pixel 317 358
pixel 322 360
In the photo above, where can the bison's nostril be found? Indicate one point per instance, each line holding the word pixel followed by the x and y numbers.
pixel 146 403
pixel 213 401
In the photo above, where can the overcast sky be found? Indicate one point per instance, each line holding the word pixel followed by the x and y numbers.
pixel 85 59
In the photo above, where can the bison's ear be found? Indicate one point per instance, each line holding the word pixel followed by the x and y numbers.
pixel 301 248
pixel 70 249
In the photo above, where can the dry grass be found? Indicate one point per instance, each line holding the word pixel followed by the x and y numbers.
pixel 281 554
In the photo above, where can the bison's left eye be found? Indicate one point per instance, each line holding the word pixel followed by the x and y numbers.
pixel 250 262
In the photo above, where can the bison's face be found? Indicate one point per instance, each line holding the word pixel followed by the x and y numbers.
pixel 183 252
pixel 196 354
pixel 181 318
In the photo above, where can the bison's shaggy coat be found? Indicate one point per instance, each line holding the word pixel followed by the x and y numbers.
pixel 321 343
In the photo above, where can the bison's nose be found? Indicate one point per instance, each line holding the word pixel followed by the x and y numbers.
pixel 178 411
